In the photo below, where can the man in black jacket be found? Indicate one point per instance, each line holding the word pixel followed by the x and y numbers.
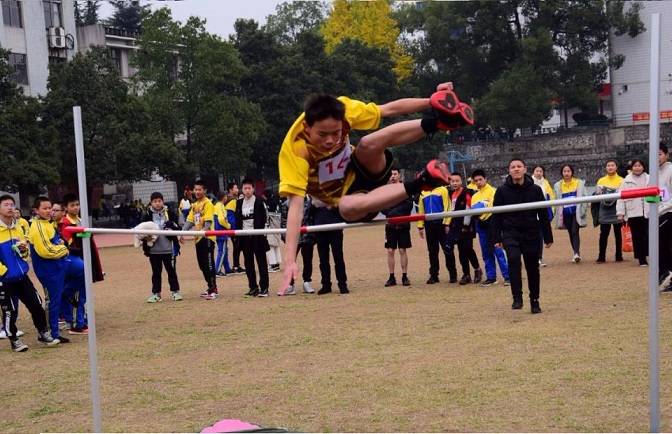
pixel 519 231
pixel 251 214
pixel 398 236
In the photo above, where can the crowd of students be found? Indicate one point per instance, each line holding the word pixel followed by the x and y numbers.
pixel 57 262
pixel 326 179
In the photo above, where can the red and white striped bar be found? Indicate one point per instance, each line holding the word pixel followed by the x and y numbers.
pixel 625 194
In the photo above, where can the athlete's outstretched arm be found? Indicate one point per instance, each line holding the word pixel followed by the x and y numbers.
pixel 294 218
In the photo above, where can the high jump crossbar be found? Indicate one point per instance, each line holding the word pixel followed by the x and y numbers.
pixel 647 192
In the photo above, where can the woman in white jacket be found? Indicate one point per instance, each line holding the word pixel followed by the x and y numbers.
pixel 571 217
pixel 636 212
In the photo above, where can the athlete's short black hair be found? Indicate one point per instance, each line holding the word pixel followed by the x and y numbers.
pixel 322 106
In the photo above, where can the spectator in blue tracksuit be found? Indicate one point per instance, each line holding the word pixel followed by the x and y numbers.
pixel 222 223
pixel 55 267
pixel 14 281
pixel 484 198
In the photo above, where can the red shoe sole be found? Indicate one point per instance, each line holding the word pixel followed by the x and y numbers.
pixel 437 169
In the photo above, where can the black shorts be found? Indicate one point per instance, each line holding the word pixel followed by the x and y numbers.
pixel 397 237
pixel 365 181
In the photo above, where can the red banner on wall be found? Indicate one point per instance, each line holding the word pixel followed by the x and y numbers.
pixel 644 116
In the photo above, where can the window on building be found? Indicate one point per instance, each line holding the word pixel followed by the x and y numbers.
pixel 11 13
pixel 56 59
pixel 115 56
pixel 53 17
pixel 18 63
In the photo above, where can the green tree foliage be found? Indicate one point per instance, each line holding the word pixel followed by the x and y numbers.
pixel 292 71
pixel 192 80
pixel 121 139
pixel 128 15
pixel 28 159
pixel 293 18
pixel 477 44
pixel 86 12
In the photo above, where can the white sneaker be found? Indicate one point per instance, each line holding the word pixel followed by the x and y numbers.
pixel 576 258
pixel 291 290
pixel 542 263
pixel 19 333
pixel 308 288
pixel 3 334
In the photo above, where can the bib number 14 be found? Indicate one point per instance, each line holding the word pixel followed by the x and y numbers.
pixel 333 168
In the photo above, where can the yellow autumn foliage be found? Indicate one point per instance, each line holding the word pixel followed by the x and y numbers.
pixel 370 22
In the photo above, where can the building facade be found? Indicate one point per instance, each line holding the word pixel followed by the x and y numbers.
pixel 37 33
pixel 630 82
pixel 120 44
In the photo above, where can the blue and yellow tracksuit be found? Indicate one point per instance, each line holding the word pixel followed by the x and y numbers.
pixel 484 198
pixel 431 202
pixel 221 223
pixel 231 219
pixel 15 284
pixel 57 270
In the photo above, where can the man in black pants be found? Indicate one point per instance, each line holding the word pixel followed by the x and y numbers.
pixel 201 217
pixel 398 236
pixel 251 214
pixel 14 280
pixel 306 247
pixel 333 240
pixel 519 232
pixel 462 232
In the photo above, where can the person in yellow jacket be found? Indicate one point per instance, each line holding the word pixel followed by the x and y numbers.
pixel 484 198
pixel 610 183
pixel 539 178
pixel 201 217
pixel 59 272
pixel 434 232
pixel 21 222
pixel 233 194
pixel 317 158
pixel 222 222
pixel 15 284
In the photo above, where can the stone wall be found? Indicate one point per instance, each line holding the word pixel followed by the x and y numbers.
pixel 587 149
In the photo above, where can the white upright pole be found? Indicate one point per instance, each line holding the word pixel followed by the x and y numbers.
pixel 654 130
pixel 90 295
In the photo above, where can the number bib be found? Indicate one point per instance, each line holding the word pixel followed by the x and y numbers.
pixel 333 168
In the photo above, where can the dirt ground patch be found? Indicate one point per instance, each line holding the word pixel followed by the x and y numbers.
pixel 423 358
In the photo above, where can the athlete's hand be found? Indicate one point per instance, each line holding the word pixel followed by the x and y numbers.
pixel 291 272
pixel 498 245
pixel 445 86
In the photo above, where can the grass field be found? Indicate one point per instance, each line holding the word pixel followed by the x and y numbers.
pixel 424 358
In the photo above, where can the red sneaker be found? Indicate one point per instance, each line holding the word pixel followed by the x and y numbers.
pixel 436 173
pixel 450 111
